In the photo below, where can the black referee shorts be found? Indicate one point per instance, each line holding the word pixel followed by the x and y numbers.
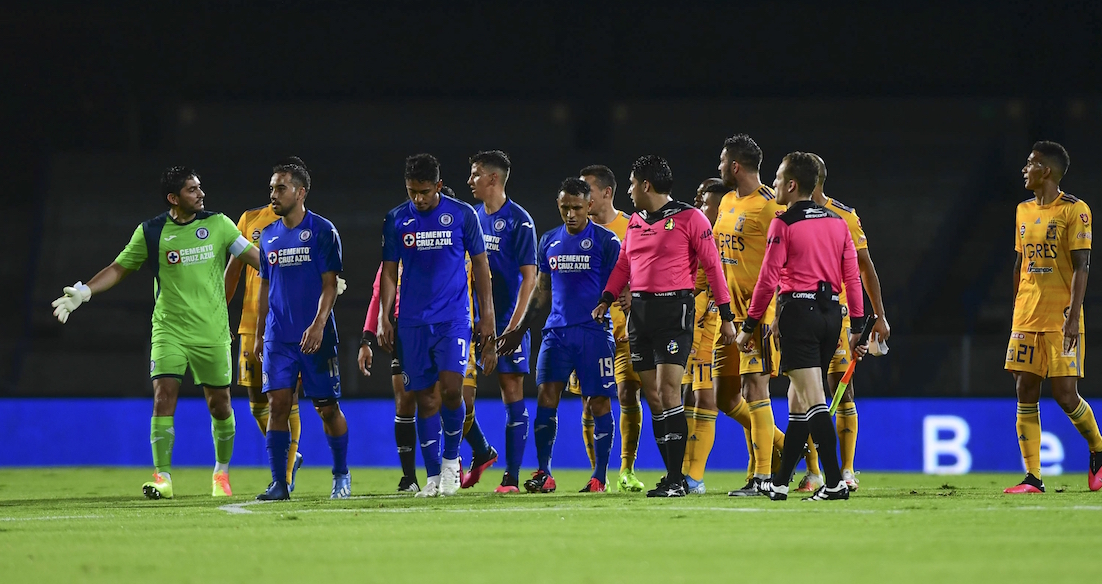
pixel 660 328
pixel 809 333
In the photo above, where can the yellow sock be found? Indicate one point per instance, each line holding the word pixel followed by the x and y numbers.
pixel 1029 437
pixel 812 457
pixel 260 413
pixel 762 435
pixel 847 433
pixel 752 463
pixel 587 437
pixel 705 432
pixel 741 414
pixel 690 441
pixel 778 447
pixel 296 431
pixel 468 421
pixel 1083 418
pixel 631 425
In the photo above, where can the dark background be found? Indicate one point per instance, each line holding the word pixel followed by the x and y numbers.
pixel 924 114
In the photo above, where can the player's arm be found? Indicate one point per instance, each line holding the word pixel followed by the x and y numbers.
pixel 130 259
pixel 371 327
pixel 537 300
pixel 524 295
pixel 313 335
pixel 776 256
pixel 485 334
pixel 871 281
pixel 232 276
pixel 261 318
pixel 707 254
pixel 1080 265
pixel 1017 272
pixel 388 287
pixel 617 282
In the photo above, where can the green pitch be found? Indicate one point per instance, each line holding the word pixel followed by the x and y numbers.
pixel 92 525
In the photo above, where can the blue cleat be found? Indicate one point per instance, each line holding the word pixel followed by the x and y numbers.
pixel 294 471
pixel 695 487
pixel 277 491
pixel 342 486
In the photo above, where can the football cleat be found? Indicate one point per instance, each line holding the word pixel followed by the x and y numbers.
pixel 694 487
pixel 449 476
pixel 294 472
pixel 753 488
pixel 220 484
pixel 541 482
pixel 629 482
pixel 432 488
pixel 478 466
pixel 667 489
pixel 774 492
pixel 851 480
pixel 1030 484
pixel 408 485
pixel 508 485
pixel 159 488
pixel 1094 476
pixel 593 486
pixel 810 483
pixel 342 486
pixel 277 491
pixel 839 492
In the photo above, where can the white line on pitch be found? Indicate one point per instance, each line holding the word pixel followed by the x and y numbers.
pixel 51 518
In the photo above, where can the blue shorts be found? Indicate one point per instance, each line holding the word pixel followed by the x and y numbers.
pixel 424 351
pixel 519 361
pixel 589 351
pixel 285 362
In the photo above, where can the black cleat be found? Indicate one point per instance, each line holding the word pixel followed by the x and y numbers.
pixel 408 485
pixel 666 488
pixel 753 488
pixel 276 492
pixel 541 482
pixel 839 492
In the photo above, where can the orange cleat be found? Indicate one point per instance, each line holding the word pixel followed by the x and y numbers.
pixel 593 486
pixel 1029 485
pixel 1094 475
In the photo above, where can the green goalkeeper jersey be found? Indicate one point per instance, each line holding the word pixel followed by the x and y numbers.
pixel 188 263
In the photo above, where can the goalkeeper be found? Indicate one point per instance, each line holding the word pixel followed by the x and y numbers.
pixel 186 248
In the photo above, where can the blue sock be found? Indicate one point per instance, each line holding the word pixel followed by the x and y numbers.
pixel 603 428
pixel 547 425
pixel 516 434
pixel 428 430
pixel 278 444
pixel 339 446
pixel 477 440
pixel 453 430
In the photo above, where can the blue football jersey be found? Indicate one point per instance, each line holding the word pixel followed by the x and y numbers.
pixel 431 248
pixel 579 266
pixel 510 236
pixel 293 260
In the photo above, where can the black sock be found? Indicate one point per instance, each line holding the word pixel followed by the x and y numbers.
pixel 795 438
pixel 677 429
pixel 826 441
pixel 658 424
pixel 405 436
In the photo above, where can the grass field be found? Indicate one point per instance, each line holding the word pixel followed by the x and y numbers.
pixel 92 525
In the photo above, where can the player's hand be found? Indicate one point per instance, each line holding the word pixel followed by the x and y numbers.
pixel 311 338
pixel 258 348
pixel 858 351
pixel 727 333
pixel 386 335
pixel 1071 334
pixel 342 285
pixel 881 329
pixel 599 312
pixel 486 336
pixel 624 301
pixel 364 359
pixel 74 296
pixel 772 329
pixel 509 340
pixel 743 339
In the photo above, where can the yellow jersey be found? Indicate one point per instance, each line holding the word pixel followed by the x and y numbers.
pixel 250 225
pixel 849 215
pixel 619 226
pixel 740 231
pixel 1047 234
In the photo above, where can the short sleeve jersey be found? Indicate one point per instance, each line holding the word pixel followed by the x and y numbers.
pixel 740 231
pixel 707 320
pixel 619 226
pixel 431 247
pixel 293 260
pixel 1046 236
pixel 510 237
pixel 189 263
pixel 250 225
pixel 856 232
pixel 579 266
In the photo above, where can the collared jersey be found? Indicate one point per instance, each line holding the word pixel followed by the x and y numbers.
pixel 510 237
pixel 251 223
pixel 740 231
pixel 189 263
pixel 1047 234
pixel 579 266
pixel 619 226
pixel 432 247
pixel 293 260
pixel 856 232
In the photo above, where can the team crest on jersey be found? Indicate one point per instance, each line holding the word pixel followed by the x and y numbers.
pixel 405 379
pixel 202 233
pixel 256 235
pixel 1050 233
pixel 740 222
pixel 173 257
pixel 588 243
pixel 1085 218
pixel 446 219
pixel 672 347
pixel 553 261
pixel 669 224
pixel 264 378
pixel 409 240
pixel 305 235
pixel 499 225
pixel 273 258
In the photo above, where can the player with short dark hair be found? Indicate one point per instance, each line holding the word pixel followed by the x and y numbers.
pixel 431 236
pixel 296 332
pixel 186 247
pixel 666 241
pixel 575 262
pixel 1053 250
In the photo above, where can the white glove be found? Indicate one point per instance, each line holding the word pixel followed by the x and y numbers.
pixel 877 348
pixel 75 295
pixel 341 285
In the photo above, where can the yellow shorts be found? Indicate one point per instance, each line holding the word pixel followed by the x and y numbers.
pixel 701 375
pixel 248 368
pixel 728 361
pixel 842 355
pixel 471 377
pixel 1042 354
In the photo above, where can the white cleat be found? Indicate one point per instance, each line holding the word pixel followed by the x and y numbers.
pixel 850 479
pixel 449 476
pixel 432 488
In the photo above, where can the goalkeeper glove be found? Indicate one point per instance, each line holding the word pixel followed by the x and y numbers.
pixel 342 285
pixel 75 295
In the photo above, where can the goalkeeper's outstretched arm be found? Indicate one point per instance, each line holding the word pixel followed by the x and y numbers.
pixel 80 293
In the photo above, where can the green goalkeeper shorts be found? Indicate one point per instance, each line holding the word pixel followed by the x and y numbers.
pixel 210 366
